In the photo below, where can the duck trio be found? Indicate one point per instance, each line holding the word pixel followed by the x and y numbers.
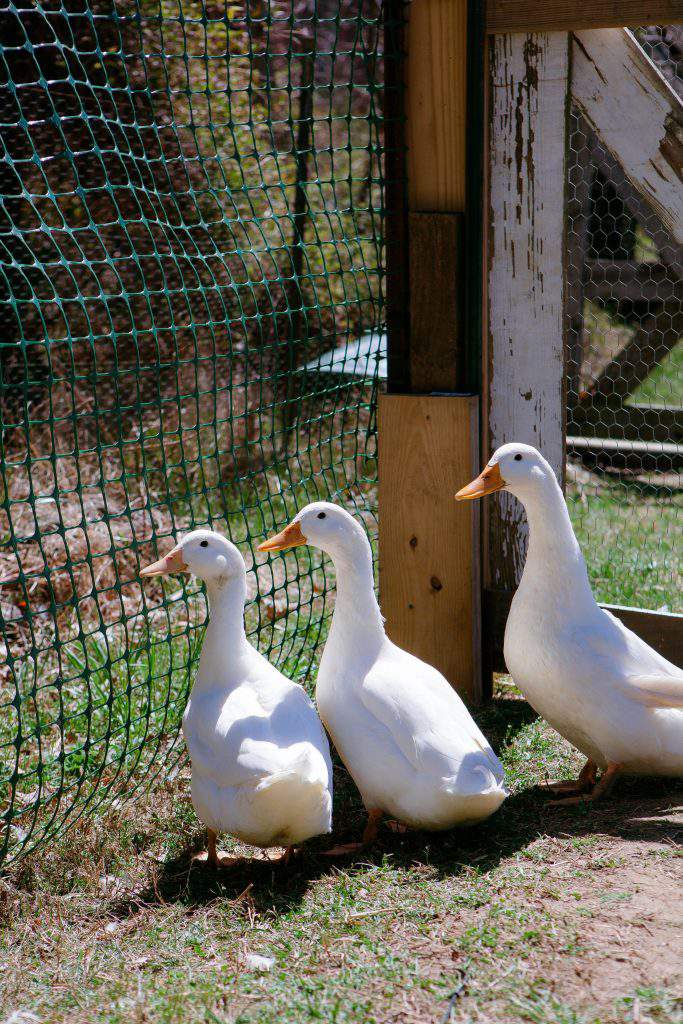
pixel 261 766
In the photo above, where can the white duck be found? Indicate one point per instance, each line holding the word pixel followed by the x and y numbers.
pixel 591 678
pixel 403 733
pixel 261 766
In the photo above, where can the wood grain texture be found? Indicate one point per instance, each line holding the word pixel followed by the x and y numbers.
pixel 636 114
pixel 526 278
pixel 561 16
pixel 428 542
pixel 436 342
pixel 436 104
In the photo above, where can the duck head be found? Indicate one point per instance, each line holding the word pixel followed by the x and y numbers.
pixel 204 553
pixel 322 525
pixel 518 468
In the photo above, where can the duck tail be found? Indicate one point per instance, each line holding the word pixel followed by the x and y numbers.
pixel 483 777
pixel 306 763
pixel 303 790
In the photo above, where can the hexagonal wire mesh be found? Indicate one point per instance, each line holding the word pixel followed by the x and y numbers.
pixel 191 295
pixel 625 363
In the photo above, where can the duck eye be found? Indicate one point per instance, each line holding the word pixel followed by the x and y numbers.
pixel 518 458
pixel 203 543
pixel 322 515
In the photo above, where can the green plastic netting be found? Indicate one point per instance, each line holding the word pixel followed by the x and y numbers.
pixel 192 313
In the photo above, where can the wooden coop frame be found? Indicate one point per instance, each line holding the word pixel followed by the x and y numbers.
pixel 477 289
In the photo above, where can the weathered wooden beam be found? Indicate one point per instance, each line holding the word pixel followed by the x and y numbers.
pixel 526 283
pixel 560 16
pixel 628 281
pixel 669 251
pixel 636 114
pixel 428 547
pixel 662 630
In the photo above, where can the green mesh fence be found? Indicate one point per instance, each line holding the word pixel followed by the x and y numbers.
pixel 192 325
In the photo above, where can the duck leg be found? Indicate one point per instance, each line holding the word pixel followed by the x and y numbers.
pixel 369 836
pixel 601 789
pixel 397 827
pixel 212 858
pixel 572 787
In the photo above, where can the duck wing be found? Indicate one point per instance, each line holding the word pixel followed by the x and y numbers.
pixel 637 669
pixel 424 715
pixel 257 730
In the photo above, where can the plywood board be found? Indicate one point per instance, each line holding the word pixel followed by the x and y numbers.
pixel 428 542
pixel 559 16
pixel 529 88
pixel 436 104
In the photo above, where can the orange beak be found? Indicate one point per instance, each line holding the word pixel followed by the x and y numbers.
pixel 488 481
pixel 172 562
pixel 290 537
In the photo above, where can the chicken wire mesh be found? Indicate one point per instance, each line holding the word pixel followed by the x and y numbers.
pixel 192 294
pixel 625 357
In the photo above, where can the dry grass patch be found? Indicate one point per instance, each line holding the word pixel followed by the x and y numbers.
pixel 538 915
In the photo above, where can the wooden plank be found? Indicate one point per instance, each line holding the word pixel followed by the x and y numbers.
pixel 436 106
pixel 428 543
pixel 627 422
pixel 662 630
pixel 526 279
pixel 628 281
pixel 560 16
pixel 436 356
pixel 659 456
pixel 636 114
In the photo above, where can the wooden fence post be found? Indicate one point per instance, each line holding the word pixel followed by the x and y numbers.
pixel 525 375
pixel 428 433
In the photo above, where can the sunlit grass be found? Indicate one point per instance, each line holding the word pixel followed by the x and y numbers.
pixel 630 537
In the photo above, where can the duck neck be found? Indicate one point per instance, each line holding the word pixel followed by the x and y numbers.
pixel 554 562
pixel 357 618
pixel 225 636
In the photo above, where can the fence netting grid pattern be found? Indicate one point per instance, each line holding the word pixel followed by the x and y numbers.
pixel 192 302
pixel 625 369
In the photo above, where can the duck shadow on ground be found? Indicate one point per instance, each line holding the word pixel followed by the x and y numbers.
pixel 639 810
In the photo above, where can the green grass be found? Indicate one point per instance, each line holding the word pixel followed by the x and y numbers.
pixel 117 923
pixel 664 386
pixel 630 537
